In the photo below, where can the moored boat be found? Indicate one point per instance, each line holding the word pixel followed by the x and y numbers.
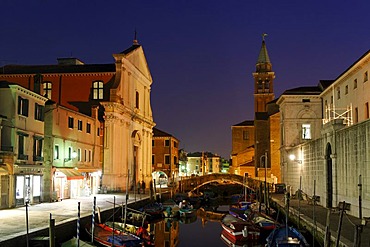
pixel 286 236
pixel 154 210
pixel 239 230
pixel 105 236
pixel 140 231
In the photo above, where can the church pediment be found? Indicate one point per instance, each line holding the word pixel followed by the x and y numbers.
pixel 135 54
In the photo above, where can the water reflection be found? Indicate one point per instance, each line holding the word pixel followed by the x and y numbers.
pixel 203 229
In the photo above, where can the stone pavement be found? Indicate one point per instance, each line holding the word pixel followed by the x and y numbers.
pixel 348 227
pixel 13 221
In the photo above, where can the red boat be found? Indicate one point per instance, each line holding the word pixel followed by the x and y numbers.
pixel 232 242
pixel 103 235
pixel 239 230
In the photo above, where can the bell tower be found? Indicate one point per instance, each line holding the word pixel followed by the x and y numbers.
pixel 263 80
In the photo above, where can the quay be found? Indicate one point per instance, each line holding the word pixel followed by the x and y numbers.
pixel 13 229
pixel 314 218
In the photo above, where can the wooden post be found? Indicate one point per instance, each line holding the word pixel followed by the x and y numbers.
pixel 314 213
pixel 299 202
pixel 327 240
pixel 51 232
pixel 340 222
pixel 27 240
pixel 93 220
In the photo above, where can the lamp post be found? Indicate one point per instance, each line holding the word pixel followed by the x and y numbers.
pixel 265 165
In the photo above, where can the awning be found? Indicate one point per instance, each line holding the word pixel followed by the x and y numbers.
pixel 88 169
pixel 70 173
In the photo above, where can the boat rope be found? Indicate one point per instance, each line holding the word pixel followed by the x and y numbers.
pixel 349 220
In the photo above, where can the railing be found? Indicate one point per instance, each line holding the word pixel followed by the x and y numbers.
pixel 6 148
pixel 22 157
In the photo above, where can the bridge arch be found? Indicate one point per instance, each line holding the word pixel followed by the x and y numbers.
pixel 193 183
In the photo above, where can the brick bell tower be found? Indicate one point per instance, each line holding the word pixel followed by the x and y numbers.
pixel 263 93
pixel 263 80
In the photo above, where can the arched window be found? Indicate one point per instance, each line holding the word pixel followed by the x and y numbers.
pixel 98 88
pixel 47 89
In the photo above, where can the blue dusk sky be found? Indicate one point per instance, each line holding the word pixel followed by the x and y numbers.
pixel 201 53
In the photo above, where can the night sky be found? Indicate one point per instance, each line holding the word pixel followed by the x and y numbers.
pixel 201 53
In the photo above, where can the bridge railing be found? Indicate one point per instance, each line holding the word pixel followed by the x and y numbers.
pixel 189 183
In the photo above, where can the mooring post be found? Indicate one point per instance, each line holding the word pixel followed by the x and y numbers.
pixel 78 223
pixel 327 229
pixel 51 232
pixel 340 222
pixel 93 220
pixel 27 232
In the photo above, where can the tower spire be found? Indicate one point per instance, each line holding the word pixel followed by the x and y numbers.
pixel 135 38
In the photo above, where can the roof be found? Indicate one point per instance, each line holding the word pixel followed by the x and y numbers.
pixel 160 133
pixel 200 154
pixel 245 123
pixel 263 56
pixel 323 84
pixel 130 49
pixel 303 91
pixel 50 69
pixel 364 55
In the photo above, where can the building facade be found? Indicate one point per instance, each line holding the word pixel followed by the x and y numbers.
pixel 165 154
pixel 202 163
pixel 330 139
pixel 21 151
pixel 73 152
pixel 117 95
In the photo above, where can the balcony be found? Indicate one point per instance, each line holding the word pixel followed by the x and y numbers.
pixel 22 157
pixel 6 148
pixel 38 158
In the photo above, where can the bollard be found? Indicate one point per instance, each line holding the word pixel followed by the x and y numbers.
pixel 51 232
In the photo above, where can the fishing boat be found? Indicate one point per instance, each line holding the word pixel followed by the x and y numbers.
pixel 286 236
pixel 233 243
pixel 155 210
pixel 170 209
pixel 239 230
pixel 140 231
pixel 186 210
pixel 105 236
pixel 240 209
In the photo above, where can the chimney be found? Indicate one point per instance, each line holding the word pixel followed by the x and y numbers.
pixel 69 61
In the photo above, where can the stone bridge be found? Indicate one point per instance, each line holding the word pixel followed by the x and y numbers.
pixel 193 183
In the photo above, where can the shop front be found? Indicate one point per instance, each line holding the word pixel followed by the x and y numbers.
pixel 68 183
pixel 27 189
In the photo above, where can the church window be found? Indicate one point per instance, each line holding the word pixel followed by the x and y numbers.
pixel 354 83
pixel 366 76
pixel 98 90
pixel 356 115
pixel 346 91
pixel 366 110
pixel 47 89
pixel 306 131
pixel 137 100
